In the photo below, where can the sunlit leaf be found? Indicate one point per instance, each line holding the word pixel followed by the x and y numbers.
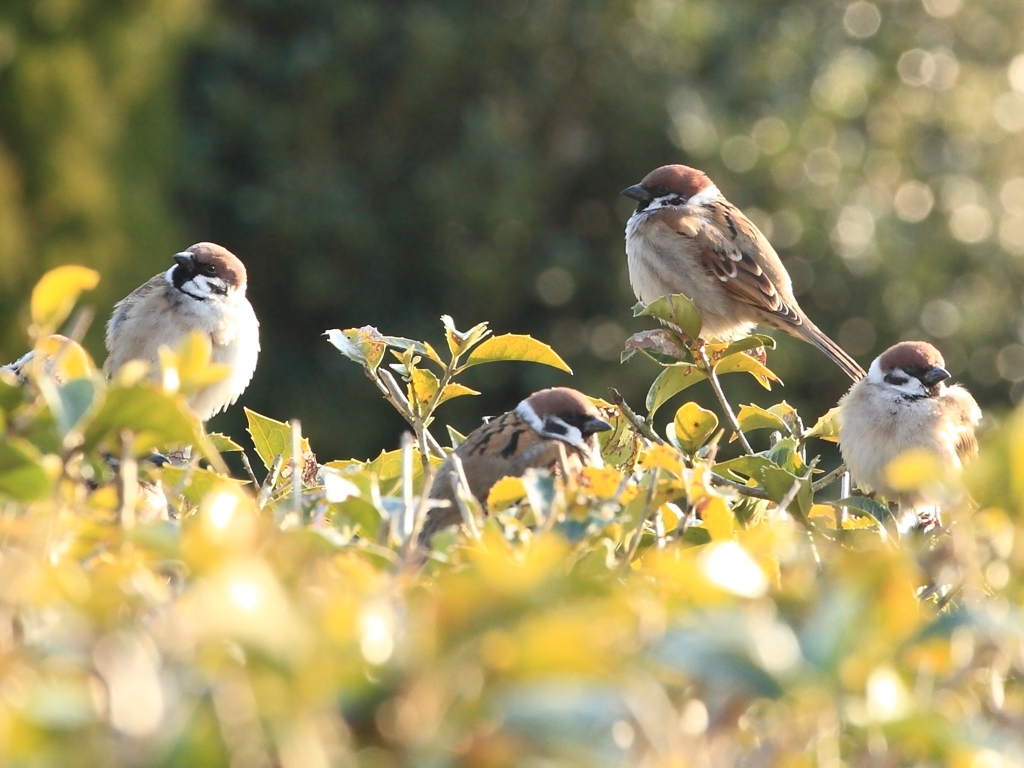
pixel 451 391
pixel 718 519
pixel 223 443
pixel 676 310
pixel 422 347
pixel 365 345
pixel 422 387
pixel 827 427
pixel 753 417
pixel 194 483
pixel 506 492
pixel 55 294
pixel 664 457
pixel 692 426
pixel 512 346
pixel 742 362
pixel 271 437
pixel 913 469
pixel 156 420
pixel 606 483
pixel 671 381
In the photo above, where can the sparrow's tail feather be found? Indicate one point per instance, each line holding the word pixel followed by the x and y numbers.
pixel 837 354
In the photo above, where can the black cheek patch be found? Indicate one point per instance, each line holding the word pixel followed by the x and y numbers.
pixel 553 427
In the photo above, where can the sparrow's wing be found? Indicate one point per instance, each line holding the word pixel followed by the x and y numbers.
pixel 732 249
pixel 125 309
pixel 964 417
pixel 127 306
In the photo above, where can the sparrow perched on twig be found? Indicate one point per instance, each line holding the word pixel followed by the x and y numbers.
pixel 905 405
pixel 685 237
pixel 508 445
pixel 204 291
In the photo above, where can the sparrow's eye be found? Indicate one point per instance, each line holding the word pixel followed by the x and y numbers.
pixel 896 378
pixel 208 269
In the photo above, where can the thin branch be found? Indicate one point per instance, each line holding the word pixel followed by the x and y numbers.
pixel 744 490
pixel 127 481
pixel 248 468
pixel 720 394
pixel 297 462
pixel 828 479
pixel 458 481
pixel 267 488
pixel 638 423
pixel 394 395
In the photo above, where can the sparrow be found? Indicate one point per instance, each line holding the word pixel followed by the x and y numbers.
pixel 905 405
pixel 685 237
pixel 506 446
pixel 204 291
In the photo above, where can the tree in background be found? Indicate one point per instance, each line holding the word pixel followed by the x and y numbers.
pixel 383 163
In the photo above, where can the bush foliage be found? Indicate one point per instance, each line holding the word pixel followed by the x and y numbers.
pixel 668 609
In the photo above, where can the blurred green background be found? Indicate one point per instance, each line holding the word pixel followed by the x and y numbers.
pixel 382 163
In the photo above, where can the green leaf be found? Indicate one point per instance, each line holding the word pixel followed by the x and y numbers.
pixel 365 345
pixel 786 454
pixel 779 484
pixel 223 444
pixel 753 417
pixel 456 437
pixel 513 346
pixel 12 394
pixel 55 294
pixel 671 381
pixel 676 310
pixel 73 401
pixel 422 347
pixel 743 467
pixel 22 474
pixel 865 506
pixel 271 437
pixel 156 420
pixel 194 483
pixel 692 427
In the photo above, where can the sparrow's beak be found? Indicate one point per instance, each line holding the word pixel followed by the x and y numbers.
pixel 594 425
pixel 186 261
pixel 934 375
pixel 638 192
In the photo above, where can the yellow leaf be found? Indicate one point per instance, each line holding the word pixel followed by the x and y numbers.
pixel 62 358
pixel 692 426
pixel 718 518
pixel 664 457
pixel 913 469
pixel 512 346
pixel 56 293
pixel 827 427
pixel 422 385
pixel 604 483
pixel 744 362
pixel 506 492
